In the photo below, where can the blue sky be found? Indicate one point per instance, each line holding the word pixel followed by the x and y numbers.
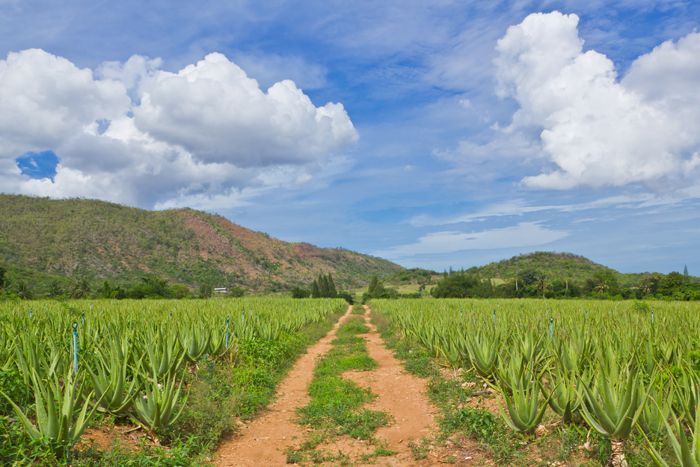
pixel 452 149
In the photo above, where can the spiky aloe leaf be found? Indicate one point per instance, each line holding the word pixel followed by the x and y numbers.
pixel 613 404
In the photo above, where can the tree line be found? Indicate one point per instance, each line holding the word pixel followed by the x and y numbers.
pixel 146 286
pixel 603 284
pixel 323 286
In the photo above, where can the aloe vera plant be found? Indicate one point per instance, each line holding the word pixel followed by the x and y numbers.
pixel 160 405
pixel 686 395
pixel 110 379
pixel 573 353
pixel 164 354
pixel 611 406
pixel 531 347
pixel 510 375
pixel 483 352
pixel 657 411
pixel 60 416
pixel 131 356
pixel 562 392
pixel 686 452
pixel 217 343
pixel 525 407
pixel 605 365
pixel 31 356
pixel 195 342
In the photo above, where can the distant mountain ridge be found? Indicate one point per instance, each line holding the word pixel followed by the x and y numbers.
pixel 101 240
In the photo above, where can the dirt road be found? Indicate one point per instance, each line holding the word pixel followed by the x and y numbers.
pixel 263 441
pixel 401 395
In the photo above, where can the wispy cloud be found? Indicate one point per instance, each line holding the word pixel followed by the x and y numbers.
pixel 520 207
pixel 525 234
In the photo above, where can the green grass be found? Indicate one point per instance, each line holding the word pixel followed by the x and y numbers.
pixel 419 450
pixel 15 444
pixel 336 402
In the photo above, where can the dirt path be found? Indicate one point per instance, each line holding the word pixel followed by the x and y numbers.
pixel 402 396
pixel 263 441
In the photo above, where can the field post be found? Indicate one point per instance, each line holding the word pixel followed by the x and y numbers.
pixel 228 333
pixel 75 347
pixel 551 328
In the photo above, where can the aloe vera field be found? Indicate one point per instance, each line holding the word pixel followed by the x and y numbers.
pixel 67 367
pixel 495 382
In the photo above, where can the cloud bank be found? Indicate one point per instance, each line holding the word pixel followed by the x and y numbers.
pixel 594 128
pixel 134 133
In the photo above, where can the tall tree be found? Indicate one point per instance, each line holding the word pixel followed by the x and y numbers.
pixel 106 291
pixel 298 292
pixel 685 272
pixel 206 290
pixel 321 285
pixel 332 291
pixel 80 288
pixel 55 289
pixel 374 286
pixel 315 290
pixel 23 290
pixel 324 286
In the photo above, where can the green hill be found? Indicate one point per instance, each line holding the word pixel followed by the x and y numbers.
pixel 565 266
pixel 547 274
pixel 560 265
pixel 43 238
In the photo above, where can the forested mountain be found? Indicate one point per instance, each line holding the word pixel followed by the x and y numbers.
pixel 52 243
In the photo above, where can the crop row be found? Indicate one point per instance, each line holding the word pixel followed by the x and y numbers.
pixel 127 358
pixel 614 367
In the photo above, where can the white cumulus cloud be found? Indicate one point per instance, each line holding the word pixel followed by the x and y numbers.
pixel 215 111
pixel 134 133
pixel 45 100
pixel 595 129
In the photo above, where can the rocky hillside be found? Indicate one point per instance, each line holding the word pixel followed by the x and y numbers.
pixel 96 240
